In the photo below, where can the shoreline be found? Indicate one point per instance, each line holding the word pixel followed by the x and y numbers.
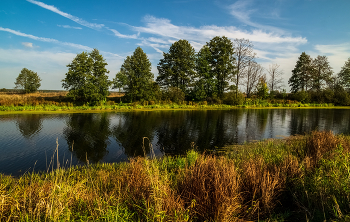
pixel 5 110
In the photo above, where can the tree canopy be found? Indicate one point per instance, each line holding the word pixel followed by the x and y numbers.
pixel 344 75
pixel 28 81
pixel 135 77
pixel 87 79
pixel 301 74
pixel 177 68
pixel 222 62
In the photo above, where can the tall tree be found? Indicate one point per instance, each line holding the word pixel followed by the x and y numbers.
pixel 301 74
pixel 205 85
pixel 87 79
pixel 177 68
pixel 275 77
pixel 344 75
pixel 222 62
pixel 321 74
pixel 135 76
pixel 244 55
pixel 253 73
pixel 28 81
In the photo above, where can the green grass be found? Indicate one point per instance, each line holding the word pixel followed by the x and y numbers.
pixel 301 178
pixel 133 107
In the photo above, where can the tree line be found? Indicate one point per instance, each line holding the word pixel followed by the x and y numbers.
pixel 215 74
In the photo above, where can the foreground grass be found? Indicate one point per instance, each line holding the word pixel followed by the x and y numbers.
pixel 305 178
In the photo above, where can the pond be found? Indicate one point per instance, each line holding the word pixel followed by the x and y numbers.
pixel 28 142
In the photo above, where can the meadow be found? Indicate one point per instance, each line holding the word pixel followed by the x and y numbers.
pixel 303 178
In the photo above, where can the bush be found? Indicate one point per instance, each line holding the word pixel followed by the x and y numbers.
pixel 231 99
pixel 302 96
pixel 174 94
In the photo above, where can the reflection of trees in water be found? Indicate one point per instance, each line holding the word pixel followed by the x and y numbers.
pixel 306 120
pixel 255 123
pixel 136 125
pixel 174 131
pixel 90 133
pixel 29 125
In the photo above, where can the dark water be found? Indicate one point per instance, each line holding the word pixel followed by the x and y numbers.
pixel 28 141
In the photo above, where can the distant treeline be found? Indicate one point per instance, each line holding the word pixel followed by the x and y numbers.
pixel 223 71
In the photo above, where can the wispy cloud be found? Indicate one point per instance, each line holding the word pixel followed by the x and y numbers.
pixel 42 39
pixel 118 34
pixel 49 64
pixel 337 54
pixel 167 32
pixel 69 27
pixel 241 11
pixel 27 44
pixel 69 16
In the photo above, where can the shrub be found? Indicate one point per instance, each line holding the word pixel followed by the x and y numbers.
pixel 174 94
pixel 231 99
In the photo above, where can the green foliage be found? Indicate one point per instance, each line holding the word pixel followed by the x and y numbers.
pixel 87 79
pixel 222 62
pixel 176 69
pixel 344 75
pixel 321 74
pixel 262 90
pixel 341 97
pixel 174 94
pixel 28 81
pixel 302 96
pixel 136 78
pixel 205 85
pixel 301 74
pixel 230 98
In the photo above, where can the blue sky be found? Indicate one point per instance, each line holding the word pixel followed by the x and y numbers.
pixel 46 35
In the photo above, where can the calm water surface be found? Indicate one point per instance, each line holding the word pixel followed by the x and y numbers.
pixel 28 141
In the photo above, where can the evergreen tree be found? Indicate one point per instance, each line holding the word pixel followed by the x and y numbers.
pixel 135 77
pixel 322 73
pixel 176 69
pixel 87 79
pixel 205 85
pixel 222 62
pixel 28 81
pixel 301 74
pixel 344 75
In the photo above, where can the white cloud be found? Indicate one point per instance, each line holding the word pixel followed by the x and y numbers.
pixel 170 32
pixel 50 65
pixel 69 27
pixel 27 44
pixel 42 39
pixel 69 16
pixel 118 34
pixel 241 12
pixel 337 54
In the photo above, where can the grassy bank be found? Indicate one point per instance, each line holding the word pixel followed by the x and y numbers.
pixel 303 178
pixel 57 101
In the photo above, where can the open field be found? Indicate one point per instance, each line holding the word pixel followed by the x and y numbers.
pixel 300 178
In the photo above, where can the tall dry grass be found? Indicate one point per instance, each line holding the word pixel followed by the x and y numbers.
pixel 42 98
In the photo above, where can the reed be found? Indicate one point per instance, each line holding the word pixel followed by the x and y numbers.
pixel 302 178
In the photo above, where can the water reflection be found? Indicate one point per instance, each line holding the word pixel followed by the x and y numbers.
pixel 87 136
pixel 111 137
pixel 29 125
